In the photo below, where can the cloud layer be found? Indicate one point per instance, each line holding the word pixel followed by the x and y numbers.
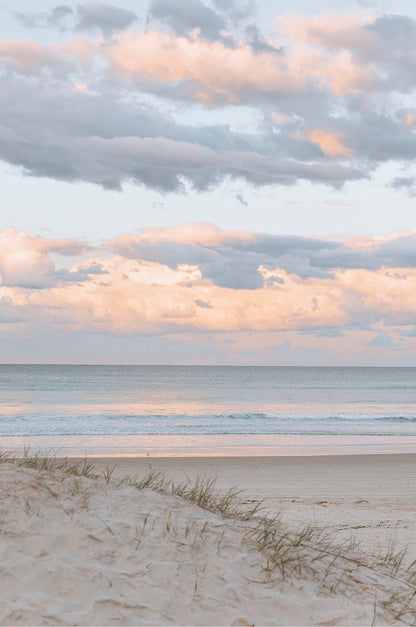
pixel 330 96
pixel 200 278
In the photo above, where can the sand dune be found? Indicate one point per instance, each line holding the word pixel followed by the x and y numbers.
pixel 82 550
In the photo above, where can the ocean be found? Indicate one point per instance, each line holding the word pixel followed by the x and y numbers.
pixel 207 410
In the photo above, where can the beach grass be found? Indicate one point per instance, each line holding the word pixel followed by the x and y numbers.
pixel 306 552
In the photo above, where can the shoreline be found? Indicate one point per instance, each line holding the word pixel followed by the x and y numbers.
pixel 235 445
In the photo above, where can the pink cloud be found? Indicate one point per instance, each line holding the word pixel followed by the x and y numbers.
pixel 330 30
pixel 135 296
pixel 386 294
pixel 149 298
pixel 375 242
pixel 167 58
pixel 330 143
pixel 410 119
pixel 202 233
pixel 24 260
pixel 130 295
pixel 328 50
pixel 29 56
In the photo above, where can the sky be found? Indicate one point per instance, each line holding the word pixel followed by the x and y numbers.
pixel 208 182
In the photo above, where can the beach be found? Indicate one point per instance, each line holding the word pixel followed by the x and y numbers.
pixel 208 313
pixel 85 545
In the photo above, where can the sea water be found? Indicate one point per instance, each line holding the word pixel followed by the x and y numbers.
pixel 205 410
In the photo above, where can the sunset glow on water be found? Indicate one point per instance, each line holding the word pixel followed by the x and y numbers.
pixel 206 410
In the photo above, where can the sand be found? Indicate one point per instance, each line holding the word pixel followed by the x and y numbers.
pixel 371 497
pixel 79 551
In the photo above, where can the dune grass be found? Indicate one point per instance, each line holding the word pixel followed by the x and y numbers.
pixel 306 552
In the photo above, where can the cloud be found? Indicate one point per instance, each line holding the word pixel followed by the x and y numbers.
pixel 184 16
pixel 10 313
pixel 405 183
pixel 138 298
pixel 203 303
pixel 187 17
pixel 243 260
pixel 170 59
pixel 323 332
pixel 326 107
pixel 29 56
pixel 236 10
pixel 229 259
pixel 69 135
pixel 25 261
pixel 198 278
pixel 203 260
pixel 106 17
pixel 381 340
pixel 241 199
pixel 87 17
pixel 55 18
pixel 259 43
pixel 329 143
pixel 332 31
pixel 384 43
pixel 410 119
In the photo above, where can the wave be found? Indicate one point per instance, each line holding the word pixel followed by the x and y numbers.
pixel 339 416
pixel 245 423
